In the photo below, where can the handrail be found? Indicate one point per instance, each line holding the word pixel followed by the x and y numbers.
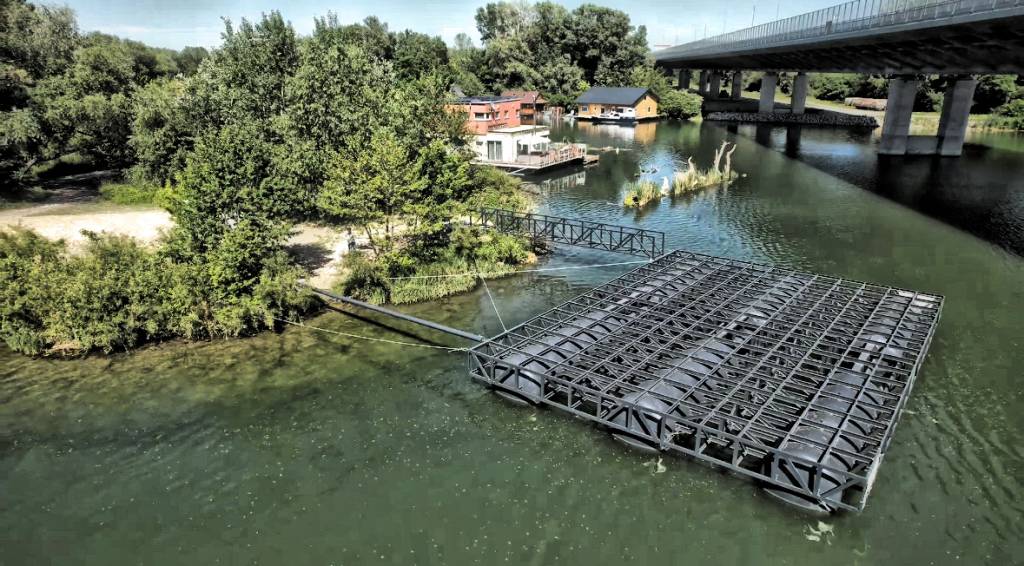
pixel 851 16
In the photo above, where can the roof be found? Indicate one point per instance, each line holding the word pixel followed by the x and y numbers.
pixel 484 99
pixel 625 96
pixel 528 96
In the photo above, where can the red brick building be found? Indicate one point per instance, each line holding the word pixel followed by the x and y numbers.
pixel 489 112
pixel 532 103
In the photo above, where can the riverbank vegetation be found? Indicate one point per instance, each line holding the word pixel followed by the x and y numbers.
pixel 346 127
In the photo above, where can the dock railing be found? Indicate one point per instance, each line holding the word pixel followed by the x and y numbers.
pixel 857 15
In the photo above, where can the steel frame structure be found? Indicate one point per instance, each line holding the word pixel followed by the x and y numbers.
pixel 794 379
pixel 595 235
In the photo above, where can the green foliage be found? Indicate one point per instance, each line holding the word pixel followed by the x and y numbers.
pixel 993 91
pixel 1010 115
pixel 680 105
pixel 405 277
pixel 228 179
pixel 161 135
pixel 129 193
pixel 375 183
pixel 115 294
pixel 548 48
pixel 497 189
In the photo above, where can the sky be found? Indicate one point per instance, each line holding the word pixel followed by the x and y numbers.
pixel 177 23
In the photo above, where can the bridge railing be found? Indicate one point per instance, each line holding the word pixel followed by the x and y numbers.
pixel 852 16
pixel 583 233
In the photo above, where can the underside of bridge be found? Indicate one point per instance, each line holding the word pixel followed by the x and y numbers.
pixel 965 46
pixel 955 38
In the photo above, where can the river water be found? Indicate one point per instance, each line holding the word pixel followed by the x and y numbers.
pixel 312 448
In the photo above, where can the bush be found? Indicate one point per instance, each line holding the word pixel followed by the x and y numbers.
pixel 832 86
pixel 1009 115
pixel 129 193
pixel 116 294
pixel 681 105
pixel 497 189
pixel 366 280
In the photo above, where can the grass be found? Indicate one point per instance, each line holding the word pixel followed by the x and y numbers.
pixel 640 193
pixel 129 193
pixel 443 278
pixel 718 174
pixel 64 165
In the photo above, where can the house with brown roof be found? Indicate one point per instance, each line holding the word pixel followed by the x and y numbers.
pixel 531 102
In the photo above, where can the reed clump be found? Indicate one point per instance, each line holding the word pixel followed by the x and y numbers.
pixel 640 193
pixel 720 172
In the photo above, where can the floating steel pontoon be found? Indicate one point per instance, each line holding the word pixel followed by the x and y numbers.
pixel 794 379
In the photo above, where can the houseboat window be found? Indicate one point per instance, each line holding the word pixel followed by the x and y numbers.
pixel 584 108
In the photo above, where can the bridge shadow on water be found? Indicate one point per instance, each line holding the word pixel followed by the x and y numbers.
pixel 981 192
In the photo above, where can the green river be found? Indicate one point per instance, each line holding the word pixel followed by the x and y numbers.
pixel 306 447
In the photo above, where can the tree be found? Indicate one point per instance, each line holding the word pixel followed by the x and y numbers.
pixel 228 179
pixel 39 39
pixel 161 135
pixel 417 54
pixel 375 184
pixel 992 92
pixel 188 59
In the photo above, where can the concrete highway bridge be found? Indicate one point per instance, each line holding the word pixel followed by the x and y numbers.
pixel 903 39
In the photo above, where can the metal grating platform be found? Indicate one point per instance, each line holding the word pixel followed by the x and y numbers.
pixel 794 379
pixel 595 235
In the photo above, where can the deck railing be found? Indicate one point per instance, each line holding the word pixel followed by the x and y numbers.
pixel 569 152
pixel 857 15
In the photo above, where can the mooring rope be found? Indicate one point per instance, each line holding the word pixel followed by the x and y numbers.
pixel 370 338
pixel 493 304
pixel 505 273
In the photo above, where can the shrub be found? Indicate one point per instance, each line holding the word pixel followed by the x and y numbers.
pixel 497 189
pixel 116 294
pixel 366 280
pixel 681 105
pixel 129 193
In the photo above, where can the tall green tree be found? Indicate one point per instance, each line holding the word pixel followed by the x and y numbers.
pixel 376 184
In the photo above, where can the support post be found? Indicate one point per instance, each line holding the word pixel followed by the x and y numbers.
pixel 702 85
pixel 956 109
pixel 898 111
pixel 768 82
pixel 799 102
pixel 684 79
pixel 716 85
pixel 737 85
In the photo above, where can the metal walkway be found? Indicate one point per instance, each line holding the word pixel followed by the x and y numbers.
pixel 595 235
pixel 794 379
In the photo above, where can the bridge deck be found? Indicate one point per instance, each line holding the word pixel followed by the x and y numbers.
pixel 791 378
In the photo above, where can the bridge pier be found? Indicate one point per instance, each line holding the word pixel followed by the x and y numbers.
pixel 684 79
pixel 702 83
pixel 898 111
pixel 956 109
pixel 737 85
pixel 799 102
pixel 716 85
pixel 768 83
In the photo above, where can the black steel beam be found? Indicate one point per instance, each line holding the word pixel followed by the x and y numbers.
pixel 399 315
